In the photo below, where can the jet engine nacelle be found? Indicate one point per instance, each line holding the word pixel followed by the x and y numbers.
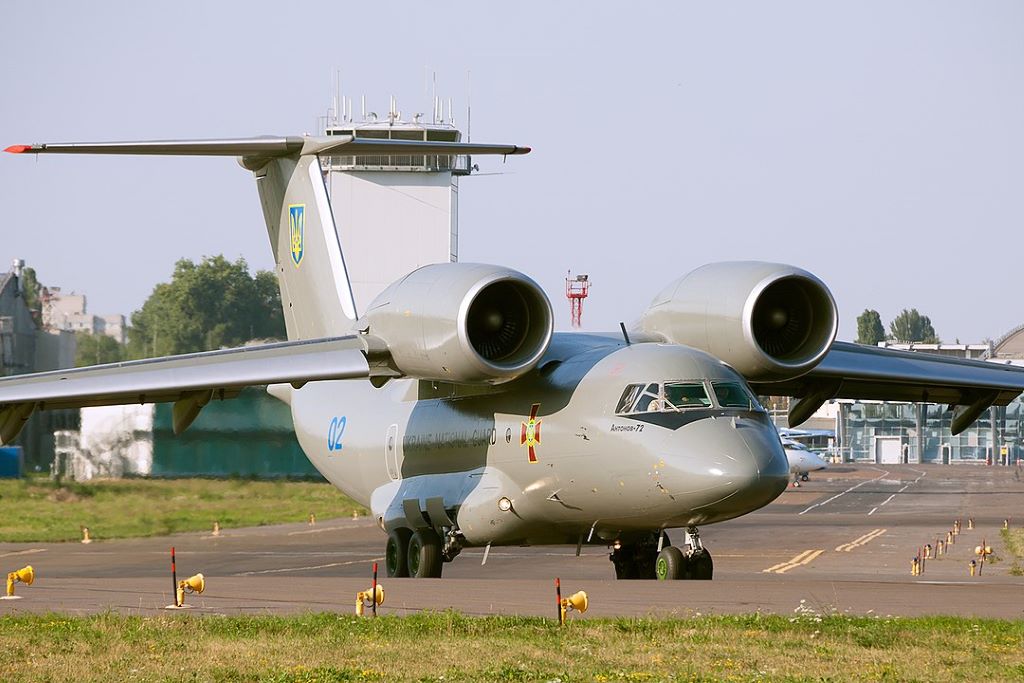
pixel 768 321
pixel 462 322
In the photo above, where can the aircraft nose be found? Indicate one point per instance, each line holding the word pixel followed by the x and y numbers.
pixel 730 466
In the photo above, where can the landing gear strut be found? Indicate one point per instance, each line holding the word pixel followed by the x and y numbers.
pixel 699 564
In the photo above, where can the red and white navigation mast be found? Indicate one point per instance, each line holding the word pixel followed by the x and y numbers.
pixel 576 290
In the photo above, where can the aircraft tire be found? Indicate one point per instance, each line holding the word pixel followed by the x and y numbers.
pixel 424 554
pixel 396 563
pixel 700 566
pixel 670 564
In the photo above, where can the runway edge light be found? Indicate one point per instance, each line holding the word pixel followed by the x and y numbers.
pixel 25 575
pixel 193 584
pixel 577 601
pixel 369 597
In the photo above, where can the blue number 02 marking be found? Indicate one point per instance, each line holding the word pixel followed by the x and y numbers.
pixel 335 432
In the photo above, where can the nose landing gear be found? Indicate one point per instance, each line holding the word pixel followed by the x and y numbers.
pixel 644 560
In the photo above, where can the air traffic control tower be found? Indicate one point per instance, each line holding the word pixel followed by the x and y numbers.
pixel 394 213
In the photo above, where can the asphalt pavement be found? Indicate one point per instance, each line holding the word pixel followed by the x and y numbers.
pixel 841 543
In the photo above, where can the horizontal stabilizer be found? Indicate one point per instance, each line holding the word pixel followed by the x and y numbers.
pixel 231 147
pixel 269 146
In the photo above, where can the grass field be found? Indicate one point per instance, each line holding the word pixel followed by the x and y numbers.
pixel 35 509
pixel 1014 540
pixel 450 647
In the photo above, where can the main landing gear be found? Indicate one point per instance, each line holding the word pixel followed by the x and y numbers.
pixel 419 554
pixel 643 560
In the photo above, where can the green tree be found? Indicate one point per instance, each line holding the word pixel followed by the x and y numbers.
pixel 95 349
pixel 911 326
pixel 869 328
pixel 32 293
pixel 210 305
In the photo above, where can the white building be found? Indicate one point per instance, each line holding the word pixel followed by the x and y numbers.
pixel 394 213
pixel 70 312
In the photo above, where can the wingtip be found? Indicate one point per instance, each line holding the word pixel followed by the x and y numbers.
pixel 18 149
pixel 525 150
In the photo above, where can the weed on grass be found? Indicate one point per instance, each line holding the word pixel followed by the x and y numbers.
pixel 1014 540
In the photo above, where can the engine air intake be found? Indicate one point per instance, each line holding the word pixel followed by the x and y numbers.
pixel 463 322
pixel 498 323
pixel 769 321
pixel 792 320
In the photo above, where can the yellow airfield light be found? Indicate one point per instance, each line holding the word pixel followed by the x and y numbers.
pixel 25 575
pixel 369 597
pixel 193 584
pixel 577 601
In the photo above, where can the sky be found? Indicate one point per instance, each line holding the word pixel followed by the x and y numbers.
pixel 879 145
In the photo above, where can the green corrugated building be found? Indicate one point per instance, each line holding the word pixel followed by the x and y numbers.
pixel 250 436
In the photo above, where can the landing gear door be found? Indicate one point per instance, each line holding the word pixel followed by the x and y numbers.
pixel 393 453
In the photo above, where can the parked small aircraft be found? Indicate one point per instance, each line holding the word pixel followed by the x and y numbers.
pixel 452 409
pixel 801 459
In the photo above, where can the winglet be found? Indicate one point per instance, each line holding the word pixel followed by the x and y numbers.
pixel 18 149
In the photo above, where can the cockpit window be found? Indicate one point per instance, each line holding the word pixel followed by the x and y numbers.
pixel 652 397
pixel 640 398
pixel 679 395
pixel 734 395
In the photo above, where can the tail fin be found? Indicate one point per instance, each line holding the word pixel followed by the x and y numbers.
pixel 315 290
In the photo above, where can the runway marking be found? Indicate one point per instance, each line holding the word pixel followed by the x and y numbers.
pixel 24 552
pixel 804 558
pixel 838 495
pixel 863 540
pixel 302 569
pixel 905 487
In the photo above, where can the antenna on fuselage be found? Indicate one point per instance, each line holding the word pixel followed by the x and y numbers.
pixel 625 335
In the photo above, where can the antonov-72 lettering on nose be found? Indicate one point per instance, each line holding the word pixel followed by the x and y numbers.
pixel 607 439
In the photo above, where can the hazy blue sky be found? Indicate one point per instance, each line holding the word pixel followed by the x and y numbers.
pixel 878 144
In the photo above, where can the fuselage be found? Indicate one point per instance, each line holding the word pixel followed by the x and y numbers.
pixel 600 441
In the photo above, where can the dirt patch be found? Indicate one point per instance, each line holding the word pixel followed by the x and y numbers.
pixel 63 496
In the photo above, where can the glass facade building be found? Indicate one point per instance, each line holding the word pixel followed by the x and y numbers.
pixel 874 431
pixel 922 432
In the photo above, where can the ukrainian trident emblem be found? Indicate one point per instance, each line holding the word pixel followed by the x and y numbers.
pixel 296 230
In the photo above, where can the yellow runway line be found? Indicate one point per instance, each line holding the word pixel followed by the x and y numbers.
pixel 858 542
pixel 804 558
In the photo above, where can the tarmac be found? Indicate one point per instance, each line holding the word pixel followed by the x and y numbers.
pixel 840 543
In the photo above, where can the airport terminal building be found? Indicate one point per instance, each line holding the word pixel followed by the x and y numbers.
pixel 885 432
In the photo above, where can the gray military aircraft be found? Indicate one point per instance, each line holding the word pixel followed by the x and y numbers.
pixel 452 409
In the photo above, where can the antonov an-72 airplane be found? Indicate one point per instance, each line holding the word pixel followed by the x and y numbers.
pixel 452 410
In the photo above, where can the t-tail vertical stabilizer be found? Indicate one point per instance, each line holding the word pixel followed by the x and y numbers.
pixel 315 290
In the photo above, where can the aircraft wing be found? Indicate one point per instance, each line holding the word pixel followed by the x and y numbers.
pixel 190 380
pixel 870 372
